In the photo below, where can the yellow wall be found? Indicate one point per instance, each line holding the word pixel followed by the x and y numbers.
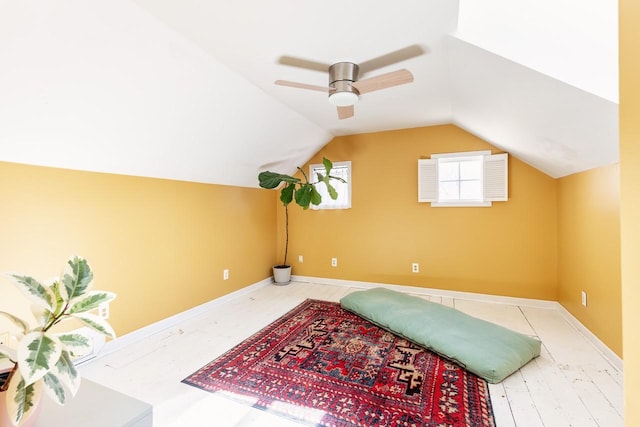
pixel 161 245
pixel 508 249
pixel 630 202
pixel 589 251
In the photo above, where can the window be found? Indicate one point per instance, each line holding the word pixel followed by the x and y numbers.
pixel 474 178
pixel 341 170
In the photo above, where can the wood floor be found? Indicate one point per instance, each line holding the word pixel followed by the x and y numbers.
pixel 570 384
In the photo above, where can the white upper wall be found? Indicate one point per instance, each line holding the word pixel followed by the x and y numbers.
pixel 574 41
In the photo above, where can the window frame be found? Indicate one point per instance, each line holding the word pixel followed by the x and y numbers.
pixel 494 179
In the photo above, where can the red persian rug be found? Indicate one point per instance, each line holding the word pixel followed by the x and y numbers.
pixel 325 366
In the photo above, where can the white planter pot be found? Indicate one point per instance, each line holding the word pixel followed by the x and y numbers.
pixel 281 275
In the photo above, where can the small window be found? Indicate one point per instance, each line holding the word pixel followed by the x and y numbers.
pixel 474 178
pixel 340 170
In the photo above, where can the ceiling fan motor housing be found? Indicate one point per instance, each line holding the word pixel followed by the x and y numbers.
pixel 341 75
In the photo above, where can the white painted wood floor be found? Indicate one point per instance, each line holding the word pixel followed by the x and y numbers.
pixel 570 384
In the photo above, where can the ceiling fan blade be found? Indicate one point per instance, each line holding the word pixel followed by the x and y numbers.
pixel 302 85
pixel 392 58
pixel 345 112
pixel 383 81
pixel 303 63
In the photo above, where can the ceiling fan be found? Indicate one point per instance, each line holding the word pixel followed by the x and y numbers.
pixel 344 86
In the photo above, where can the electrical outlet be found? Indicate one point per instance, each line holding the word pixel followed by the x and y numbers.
pixel 4 338
pixel 225 274
pixel 103 310
pixel 415 267
pixel 584 298
pixel 300 259
pixel 334 262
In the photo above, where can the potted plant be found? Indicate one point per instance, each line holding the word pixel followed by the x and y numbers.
pixel 305 194
pixel 43 358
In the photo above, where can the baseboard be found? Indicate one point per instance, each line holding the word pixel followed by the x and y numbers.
pixel 496 299
pixel 146 331
pixel 613 358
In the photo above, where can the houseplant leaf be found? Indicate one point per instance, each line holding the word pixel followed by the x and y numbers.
pixel 38 352
pixel 270 180
pixel 43 315
pixel 332 191
pixel 24 327
pixel 66 372
pixel 54 389
pixel 316 198
pixel 303 195
pixel 286 195
pixel 328 165
pixel 76 343
pixel 97 323
pixel 60 296
pixel 22 398
pixel 77 277
pixel 91 301
pixel 35 291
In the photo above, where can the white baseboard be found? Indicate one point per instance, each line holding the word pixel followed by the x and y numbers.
pixel 496 299
pixel 613 358
pixel 146 331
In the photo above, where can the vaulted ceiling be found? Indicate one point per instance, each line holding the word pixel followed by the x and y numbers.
pixel 184 89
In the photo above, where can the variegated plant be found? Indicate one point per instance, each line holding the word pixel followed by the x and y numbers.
pixel 43 359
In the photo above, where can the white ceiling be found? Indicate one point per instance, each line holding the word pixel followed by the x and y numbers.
pixel 183 89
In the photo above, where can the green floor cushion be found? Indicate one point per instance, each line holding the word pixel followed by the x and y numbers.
pixel 488 350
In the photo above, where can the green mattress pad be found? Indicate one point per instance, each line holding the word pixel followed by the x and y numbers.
pixel 488 350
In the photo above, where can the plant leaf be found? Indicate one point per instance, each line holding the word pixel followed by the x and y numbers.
pixel 16 320
pixel 60 295
pixel 303 195
pixel 76 343
pixel 35 291
pixel 22 398
pixel 316 198
pixel 268 179
pixel 54 389
pixel 66 372
pixel 43 316
pixel 332 191
pixel 77 277
pixel 286 195
pixel 38 352
pixel 96 323
pixel 328 165
pixel 91 301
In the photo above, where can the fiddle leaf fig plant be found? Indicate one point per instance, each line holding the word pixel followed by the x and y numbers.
pixel 43 359
pixel 302 190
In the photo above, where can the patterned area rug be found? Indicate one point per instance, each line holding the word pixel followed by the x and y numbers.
pixel 325 366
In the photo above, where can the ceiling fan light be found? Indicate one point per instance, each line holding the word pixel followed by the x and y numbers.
pixel 343 99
